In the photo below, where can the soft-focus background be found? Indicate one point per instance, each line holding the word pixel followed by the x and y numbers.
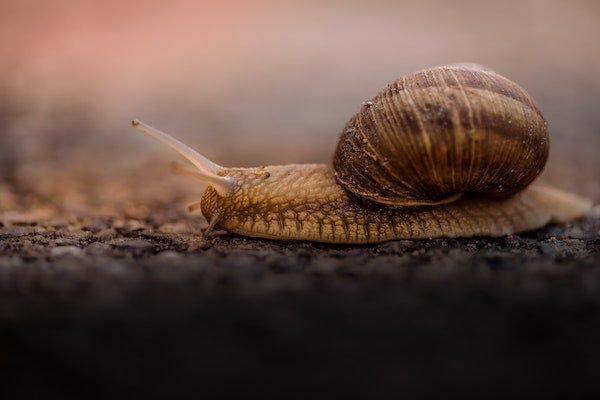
pixel 258 82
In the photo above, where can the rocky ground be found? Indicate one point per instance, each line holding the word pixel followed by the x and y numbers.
pixel 94 305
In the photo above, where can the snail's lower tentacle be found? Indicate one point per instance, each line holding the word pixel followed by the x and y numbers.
pixel 208 232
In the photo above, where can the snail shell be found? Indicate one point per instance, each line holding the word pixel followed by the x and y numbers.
pixel 434 135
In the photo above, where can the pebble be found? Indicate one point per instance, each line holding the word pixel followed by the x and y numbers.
pixel 96 225
pixel 106 234
pixel 512 241
pixel 65 242
pixel 418 252
pixel 82 235
pixel 131 243
pixel 40 239
pixel 40 230
pixel 61 251
pixel 547 248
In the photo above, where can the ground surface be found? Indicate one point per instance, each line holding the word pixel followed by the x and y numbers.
pixel 94 305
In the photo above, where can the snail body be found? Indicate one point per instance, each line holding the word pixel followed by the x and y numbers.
pixel 445 152
pixel 304 202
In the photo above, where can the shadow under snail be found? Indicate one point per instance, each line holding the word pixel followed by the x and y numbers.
pixel 444 152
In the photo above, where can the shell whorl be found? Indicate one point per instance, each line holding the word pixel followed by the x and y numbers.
pixel 434 135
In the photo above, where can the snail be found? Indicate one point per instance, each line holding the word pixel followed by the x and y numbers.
pixel 448 151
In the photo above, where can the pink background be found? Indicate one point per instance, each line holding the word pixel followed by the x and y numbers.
pixel 261 82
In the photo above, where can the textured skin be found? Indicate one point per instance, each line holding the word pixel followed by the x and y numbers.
pixel 442 132
pixel 304 202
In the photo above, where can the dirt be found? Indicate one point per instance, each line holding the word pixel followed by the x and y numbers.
pixel 94 305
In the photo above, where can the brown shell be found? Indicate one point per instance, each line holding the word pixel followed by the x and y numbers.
pixel 434 135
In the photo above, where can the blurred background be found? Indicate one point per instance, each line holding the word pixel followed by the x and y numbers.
pixel 257 83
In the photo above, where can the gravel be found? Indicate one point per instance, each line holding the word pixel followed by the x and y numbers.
pixel 94 306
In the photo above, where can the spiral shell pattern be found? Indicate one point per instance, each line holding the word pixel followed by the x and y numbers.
pixel 438 134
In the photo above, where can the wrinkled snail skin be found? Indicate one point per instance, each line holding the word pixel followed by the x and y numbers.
pixel 303 202
pixel 449 151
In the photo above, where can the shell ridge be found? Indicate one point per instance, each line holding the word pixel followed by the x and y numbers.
pixel 417 112
pixel 471 118
pixel 393 128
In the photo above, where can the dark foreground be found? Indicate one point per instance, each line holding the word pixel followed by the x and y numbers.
pixel 95 307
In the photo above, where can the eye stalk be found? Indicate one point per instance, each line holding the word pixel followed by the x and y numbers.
pixel 207 170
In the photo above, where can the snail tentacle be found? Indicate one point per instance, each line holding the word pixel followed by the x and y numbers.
pixel 207 170
pixel 214 219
